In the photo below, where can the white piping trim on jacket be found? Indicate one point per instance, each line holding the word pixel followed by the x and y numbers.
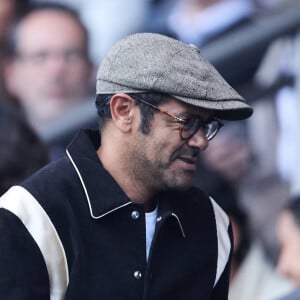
pixel 86 192
pixel 224 244
pixel 179 223
pixel 22 204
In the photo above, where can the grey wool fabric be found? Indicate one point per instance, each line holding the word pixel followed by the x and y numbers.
pixel 148 62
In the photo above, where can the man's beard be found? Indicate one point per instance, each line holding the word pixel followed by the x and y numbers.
pixel 158 174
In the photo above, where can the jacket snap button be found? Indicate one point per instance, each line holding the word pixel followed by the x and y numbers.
pixel 158 218
pixel 135 215
pixel 137 275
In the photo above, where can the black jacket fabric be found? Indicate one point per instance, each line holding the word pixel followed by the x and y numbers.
pixel 69 232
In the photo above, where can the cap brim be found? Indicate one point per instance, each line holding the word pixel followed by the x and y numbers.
pixel 231 109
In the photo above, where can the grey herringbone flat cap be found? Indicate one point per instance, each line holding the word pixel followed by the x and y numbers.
pixel 148 62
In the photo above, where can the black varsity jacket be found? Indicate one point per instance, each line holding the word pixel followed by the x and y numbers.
pixel 69 232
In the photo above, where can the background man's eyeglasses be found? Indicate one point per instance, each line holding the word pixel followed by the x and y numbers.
pixel 191 125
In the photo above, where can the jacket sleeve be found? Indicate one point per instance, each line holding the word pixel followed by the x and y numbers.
pixel 30 245
pixel 225 250
pixel 220 291
pixel 23 273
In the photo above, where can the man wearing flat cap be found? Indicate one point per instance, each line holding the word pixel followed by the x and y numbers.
pixel 117 218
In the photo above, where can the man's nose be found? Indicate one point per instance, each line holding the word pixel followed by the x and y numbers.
pixel 198 140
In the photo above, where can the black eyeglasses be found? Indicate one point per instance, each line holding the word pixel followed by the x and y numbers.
pixel 190 126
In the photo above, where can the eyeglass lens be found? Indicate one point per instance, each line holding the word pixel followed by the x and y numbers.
pixel 209 129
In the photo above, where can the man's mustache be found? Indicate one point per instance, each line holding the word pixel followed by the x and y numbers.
pixel 187 152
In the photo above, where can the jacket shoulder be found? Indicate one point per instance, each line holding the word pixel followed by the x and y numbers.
pixel 31 222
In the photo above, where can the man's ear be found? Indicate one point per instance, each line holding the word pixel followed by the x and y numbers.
pixel 122 111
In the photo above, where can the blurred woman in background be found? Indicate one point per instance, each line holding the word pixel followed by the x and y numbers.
pixel 288 232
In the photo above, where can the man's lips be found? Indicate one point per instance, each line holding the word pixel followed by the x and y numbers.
pixel 189 160
pixel 188 163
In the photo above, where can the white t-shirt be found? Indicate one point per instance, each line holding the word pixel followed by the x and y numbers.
pixel 150 219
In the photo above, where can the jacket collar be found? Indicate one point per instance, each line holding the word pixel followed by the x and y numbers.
pixel 102 192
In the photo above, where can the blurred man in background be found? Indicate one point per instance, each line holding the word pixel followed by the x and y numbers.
pixel 49 70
